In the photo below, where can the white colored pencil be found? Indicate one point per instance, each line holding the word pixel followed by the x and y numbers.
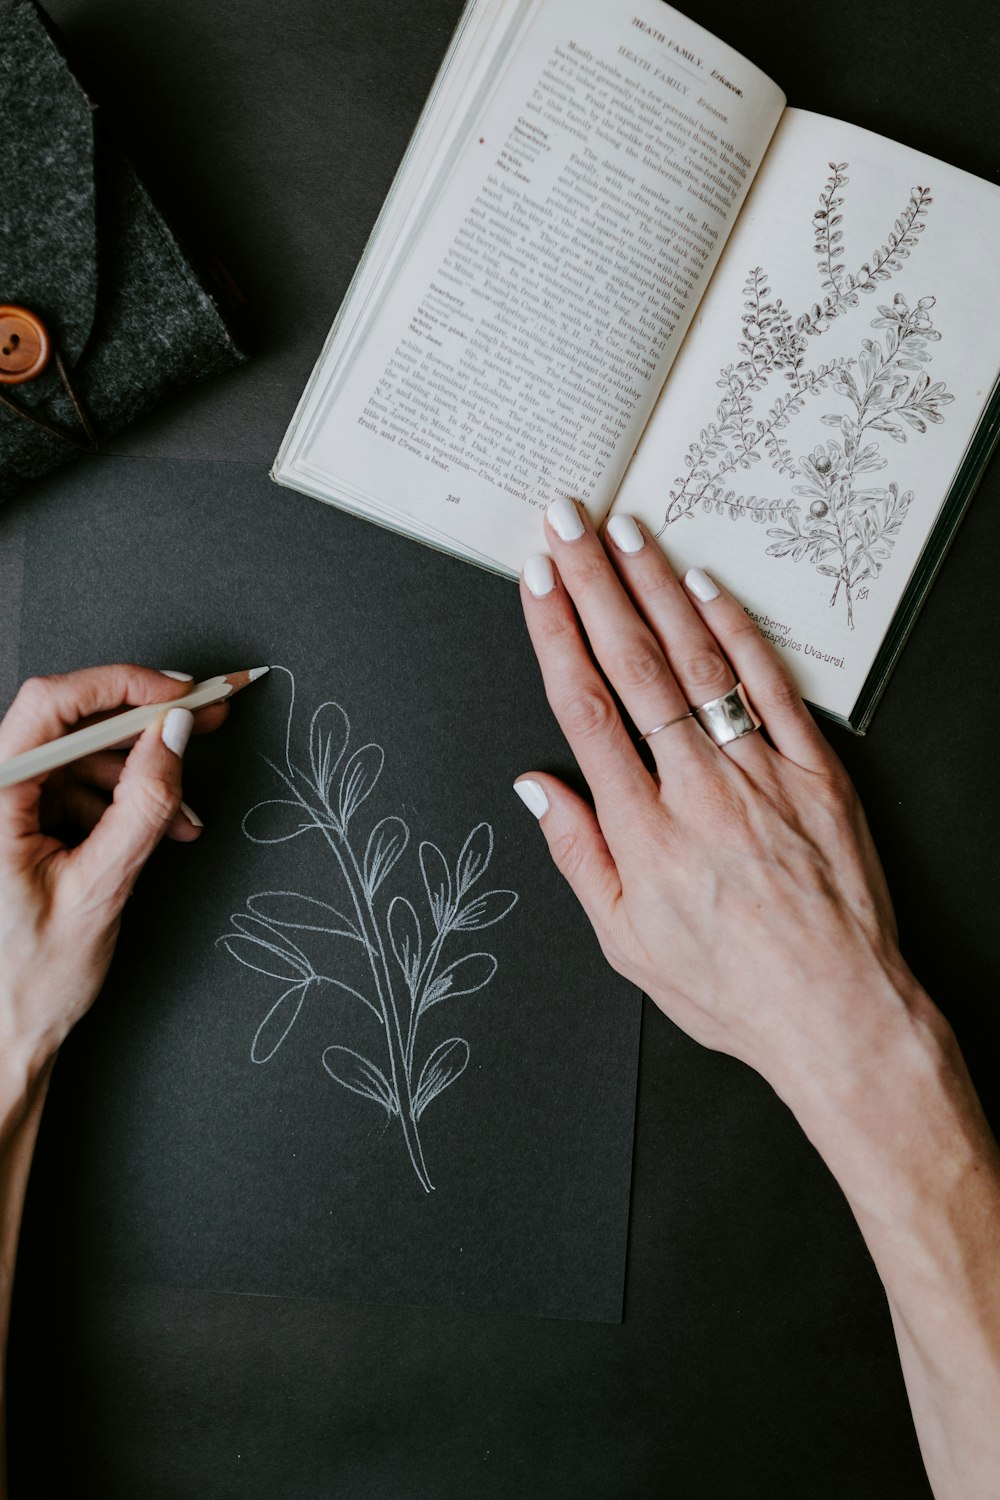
pixel 119 727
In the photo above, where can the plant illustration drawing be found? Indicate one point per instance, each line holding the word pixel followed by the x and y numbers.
pixel 842 525
pixel 401 966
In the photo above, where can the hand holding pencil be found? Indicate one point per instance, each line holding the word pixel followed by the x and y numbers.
pixel 78 820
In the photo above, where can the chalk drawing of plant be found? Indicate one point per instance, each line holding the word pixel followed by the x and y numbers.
pixel 848 532
pixel 399 974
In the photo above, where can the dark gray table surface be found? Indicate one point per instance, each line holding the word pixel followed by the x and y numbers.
pixel 755 1358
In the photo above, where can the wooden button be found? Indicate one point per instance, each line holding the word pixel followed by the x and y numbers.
pixel 25 345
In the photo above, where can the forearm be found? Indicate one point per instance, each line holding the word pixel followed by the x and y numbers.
pixel 17 1146
pixel 898 1122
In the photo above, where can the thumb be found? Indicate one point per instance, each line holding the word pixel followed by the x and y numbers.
pixel 146 801
pixel 577 846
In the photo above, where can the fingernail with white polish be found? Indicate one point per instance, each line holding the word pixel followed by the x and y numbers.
pixel 565 519
pixel 177 676
pixel 533 797
pixel 539 575
pixel 700 585
pixel 625 534
pixel 191 816
pixel 176 729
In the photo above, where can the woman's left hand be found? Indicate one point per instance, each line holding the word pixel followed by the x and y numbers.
pixel 737 886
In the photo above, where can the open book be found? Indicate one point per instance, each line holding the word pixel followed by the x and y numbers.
pixel 613 265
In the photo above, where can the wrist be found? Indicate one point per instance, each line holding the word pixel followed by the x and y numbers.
pixel 891 1108
pixel 25 1064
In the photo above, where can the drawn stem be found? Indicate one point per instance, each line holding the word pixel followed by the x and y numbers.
pixel 420 989
pixel 401 1064
pixel 372 937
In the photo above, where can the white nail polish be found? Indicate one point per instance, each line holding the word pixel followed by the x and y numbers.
pixel 176 729
pixel 565 519
pixel 625 534
pixel 538 575
pixel 191 816
pixel 700 585
pixel 533 797
pixel 177 676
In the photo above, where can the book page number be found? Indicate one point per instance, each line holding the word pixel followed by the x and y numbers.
pixel 453 499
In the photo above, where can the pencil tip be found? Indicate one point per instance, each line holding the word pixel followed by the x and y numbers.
pixel 256 672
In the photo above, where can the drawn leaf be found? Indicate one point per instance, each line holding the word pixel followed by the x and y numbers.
pixel 437 882
pixel 329 732
pixel 275 959
pixel 277 1024
pixel 464 977
pixel 358 781
pixel 404 935
pixel 475 856
pixel 447 1062
pixel 385 845
pixel 490 907
pixel 361 1076
pixel 275 821
pixel 302 914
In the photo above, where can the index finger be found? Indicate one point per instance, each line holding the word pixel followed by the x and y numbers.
pixel 48 707
pixel 581 701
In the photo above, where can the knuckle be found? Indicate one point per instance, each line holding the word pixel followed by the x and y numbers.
pixel 705 668
pixel 157 801
pixel 660 586
pixel 567 854
pixel 741 626
pixel 781 693
pixel 589 569
pixel 556 627
pixel 640 665
pixel 588 714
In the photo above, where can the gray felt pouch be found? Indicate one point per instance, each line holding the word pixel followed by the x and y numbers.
pixel 101 316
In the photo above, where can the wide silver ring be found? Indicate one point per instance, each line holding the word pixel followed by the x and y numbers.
pixel 729 717
pixel 679 719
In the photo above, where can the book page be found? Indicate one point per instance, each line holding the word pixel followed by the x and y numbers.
pixel 515 340
pixel 821 408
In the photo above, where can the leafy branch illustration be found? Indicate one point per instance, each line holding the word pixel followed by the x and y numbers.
pixel 403 959
pixel 848 533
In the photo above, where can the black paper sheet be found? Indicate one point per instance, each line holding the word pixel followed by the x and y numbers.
pixel 240 1091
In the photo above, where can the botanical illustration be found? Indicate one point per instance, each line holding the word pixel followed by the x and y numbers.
pixel 843 526
pixel 400 967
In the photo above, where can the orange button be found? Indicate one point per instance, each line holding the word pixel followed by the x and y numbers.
pixel 24 345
